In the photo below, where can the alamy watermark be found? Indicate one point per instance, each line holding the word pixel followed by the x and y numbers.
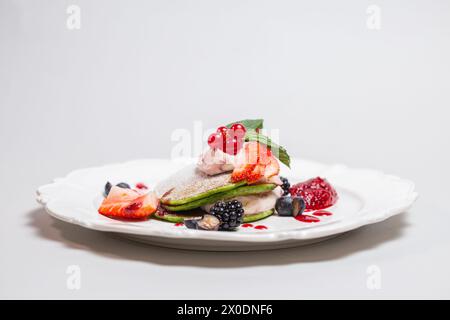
pixel 373 21
pixel 188 144
pixel 73 281
pixel 373 281
pixel 73 21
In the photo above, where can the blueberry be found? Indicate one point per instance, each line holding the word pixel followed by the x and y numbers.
pixel 108 187
pixel 298 205
pixel 290 206
pixel 123 185
pixel 284 207
pixel 191 223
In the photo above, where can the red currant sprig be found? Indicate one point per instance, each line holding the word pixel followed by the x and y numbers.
pixel 229 140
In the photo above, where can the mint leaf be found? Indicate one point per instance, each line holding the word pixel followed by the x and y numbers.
pixel 250 124
pixel 277 151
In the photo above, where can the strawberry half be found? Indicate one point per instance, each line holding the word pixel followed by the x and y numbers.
pixel 128 204
pixel 255 162
pixel 249 172
pixel 272 169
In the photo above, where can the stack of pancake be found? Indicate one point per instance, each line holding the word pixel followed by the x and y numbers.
pixel 190 193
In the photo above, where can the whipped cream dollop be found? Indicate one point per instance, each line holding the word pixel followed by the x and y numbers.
pixel 215 161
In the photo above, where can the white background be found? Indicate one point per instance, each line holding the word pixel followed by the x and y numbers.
pixel 117 88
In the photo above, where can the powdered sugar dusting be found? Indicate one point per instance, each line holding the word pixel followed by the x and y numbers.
pixel 190 182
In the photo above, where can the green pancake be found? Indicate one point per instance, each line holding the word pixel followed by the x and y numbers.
pixel 258 216
pixel 190 184
pixel 177 218
pixel 214 197
pixel 184 194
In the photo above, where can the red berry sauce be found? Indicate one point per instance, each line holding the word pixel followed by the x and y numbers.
pixel 261 227
pixel 322 213
pixel 317 193
pixel 141 186
pixel 247 225
pixel 307 218
pixel 179 224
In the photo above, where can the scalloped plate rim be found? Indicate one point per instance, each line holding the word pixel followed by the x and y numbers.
pixel 264 237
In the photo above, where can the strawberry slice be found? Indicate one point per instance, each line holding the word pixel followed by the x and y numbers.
pixel 256 153
pixel 273 168
pixel 249 172
pixel 254 163
pixel 256 174
pixel 242 172
pixel 128 204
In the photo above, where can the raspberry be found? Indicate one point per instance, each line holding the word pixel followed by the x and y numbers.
pixel 317 193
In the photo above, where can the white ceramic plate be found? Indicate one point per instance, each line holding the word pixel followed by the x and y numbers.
pixel 366 196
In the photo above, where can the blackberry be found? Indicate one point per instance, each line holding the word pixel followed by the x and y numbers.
pixel 230 214
pixel 285 186
pixel 108 187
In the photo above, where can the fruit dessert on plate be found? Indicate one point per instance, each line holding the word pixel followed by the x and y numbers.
pixel 123 202
pixel 236 181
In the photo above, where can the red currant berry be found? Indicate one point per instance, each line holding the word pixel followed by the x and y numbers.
pixel 238 130
pixel 220 141
pixel 229 146
pixel 223 130
pixel 216 140
pixel 212 141
pixel 233 145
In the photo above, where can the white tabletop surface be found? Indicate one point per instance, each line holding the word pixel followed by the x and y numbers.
pixel 117 88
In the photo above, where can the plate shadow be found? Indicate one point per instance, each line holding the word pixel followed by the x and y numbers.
pixel 115 247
